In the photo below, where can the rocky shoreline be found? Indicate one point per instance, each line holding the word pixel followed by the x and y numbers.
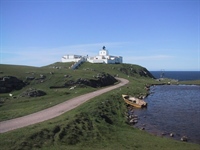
pixel 133 120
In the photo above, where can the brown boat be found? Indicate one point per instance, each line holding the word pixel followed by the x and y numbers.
pixel 135 102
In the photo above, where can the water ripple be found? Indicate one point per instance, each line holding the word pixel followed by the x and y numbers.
pixel 172 109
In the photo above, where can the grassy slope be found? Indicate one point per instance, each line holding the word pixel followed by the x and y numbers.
pixel 97 124
pixel 20 106
pixel 17 107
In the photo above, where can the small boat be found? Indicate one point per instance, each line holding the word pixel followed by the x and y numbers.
pixel 135 102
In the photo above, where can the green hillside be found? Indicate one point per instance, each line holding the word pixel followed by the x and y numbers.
pixel 97 124
pixel 56 75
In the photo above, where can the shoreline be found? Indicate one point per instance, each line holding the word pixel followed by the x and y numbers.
pixel 166 81
pixel 135 120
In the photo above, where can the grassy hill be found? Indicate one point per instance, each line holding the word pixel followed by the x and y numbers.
pixel 97 124
pixel 57 74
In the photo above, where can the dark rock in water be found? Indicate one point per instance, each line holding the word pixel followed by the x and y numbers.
pixel 10 83
pixel 163 133
pixel 31 92
pixel 142 128
pixel 184 138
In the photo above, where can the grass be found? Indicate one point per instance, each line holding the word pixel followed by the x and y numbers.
pixel 55 76
pixel 13 108
pixel 97 124
pixel 192 82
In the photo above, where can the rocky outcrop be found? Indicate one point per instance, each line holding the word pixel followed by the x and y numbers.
pixel 135 71
pixel 103 79
pixel 31 92
pixel 100 80
pixel 145 73
pixel 10 83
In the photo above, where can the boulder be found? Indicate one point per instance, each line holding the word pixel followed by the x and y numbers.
pixel 31 92
pixel 10 83
pixel 184 138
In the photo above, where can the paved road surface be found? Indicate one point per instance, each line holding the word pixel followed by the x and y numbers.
pixel 54 111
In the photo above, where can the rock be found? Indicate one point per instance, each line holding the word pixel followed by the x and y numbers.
pixel 72 88
pixel 145 73
pixel 184 138
pixel 131 121
pixel 101 79
pixel 130 117
pixel 30 78
pixel 31 92
pixel 66 75
pixel 42 76
pixel 163 133
pixel 10 83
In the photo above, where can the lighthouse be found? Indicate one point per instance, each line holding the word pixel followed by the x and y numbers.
pixel 103 52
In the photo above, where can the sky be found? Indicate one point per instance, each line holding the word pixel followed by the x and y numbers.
pixel 156 34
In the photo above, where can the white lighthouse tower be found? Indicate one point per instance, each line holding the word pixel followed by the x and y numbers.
pixel 103 52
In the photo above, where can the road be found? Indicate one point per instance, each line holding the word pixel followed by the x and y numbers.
pixel 56 110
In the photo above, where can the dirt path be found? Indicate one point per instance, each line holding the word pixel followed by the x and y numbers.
pixel 54 111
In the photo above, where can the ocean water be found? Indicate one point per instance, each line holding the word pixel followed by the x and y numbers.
pixel 172 109
pixel 178 75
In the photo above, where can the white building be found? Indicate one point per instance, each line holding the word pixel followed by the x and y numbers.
pixel 103 57
pixel 71 58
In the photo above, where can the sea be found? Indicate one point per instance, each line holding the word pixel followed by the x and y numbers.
pixel 173 108
pixel 177 75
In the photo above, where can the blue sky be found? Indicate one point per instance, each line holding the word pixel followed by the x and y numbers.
pixel 156 34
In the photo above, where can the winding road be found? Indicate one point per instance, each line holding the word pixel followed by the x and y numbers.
pixel 56 110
